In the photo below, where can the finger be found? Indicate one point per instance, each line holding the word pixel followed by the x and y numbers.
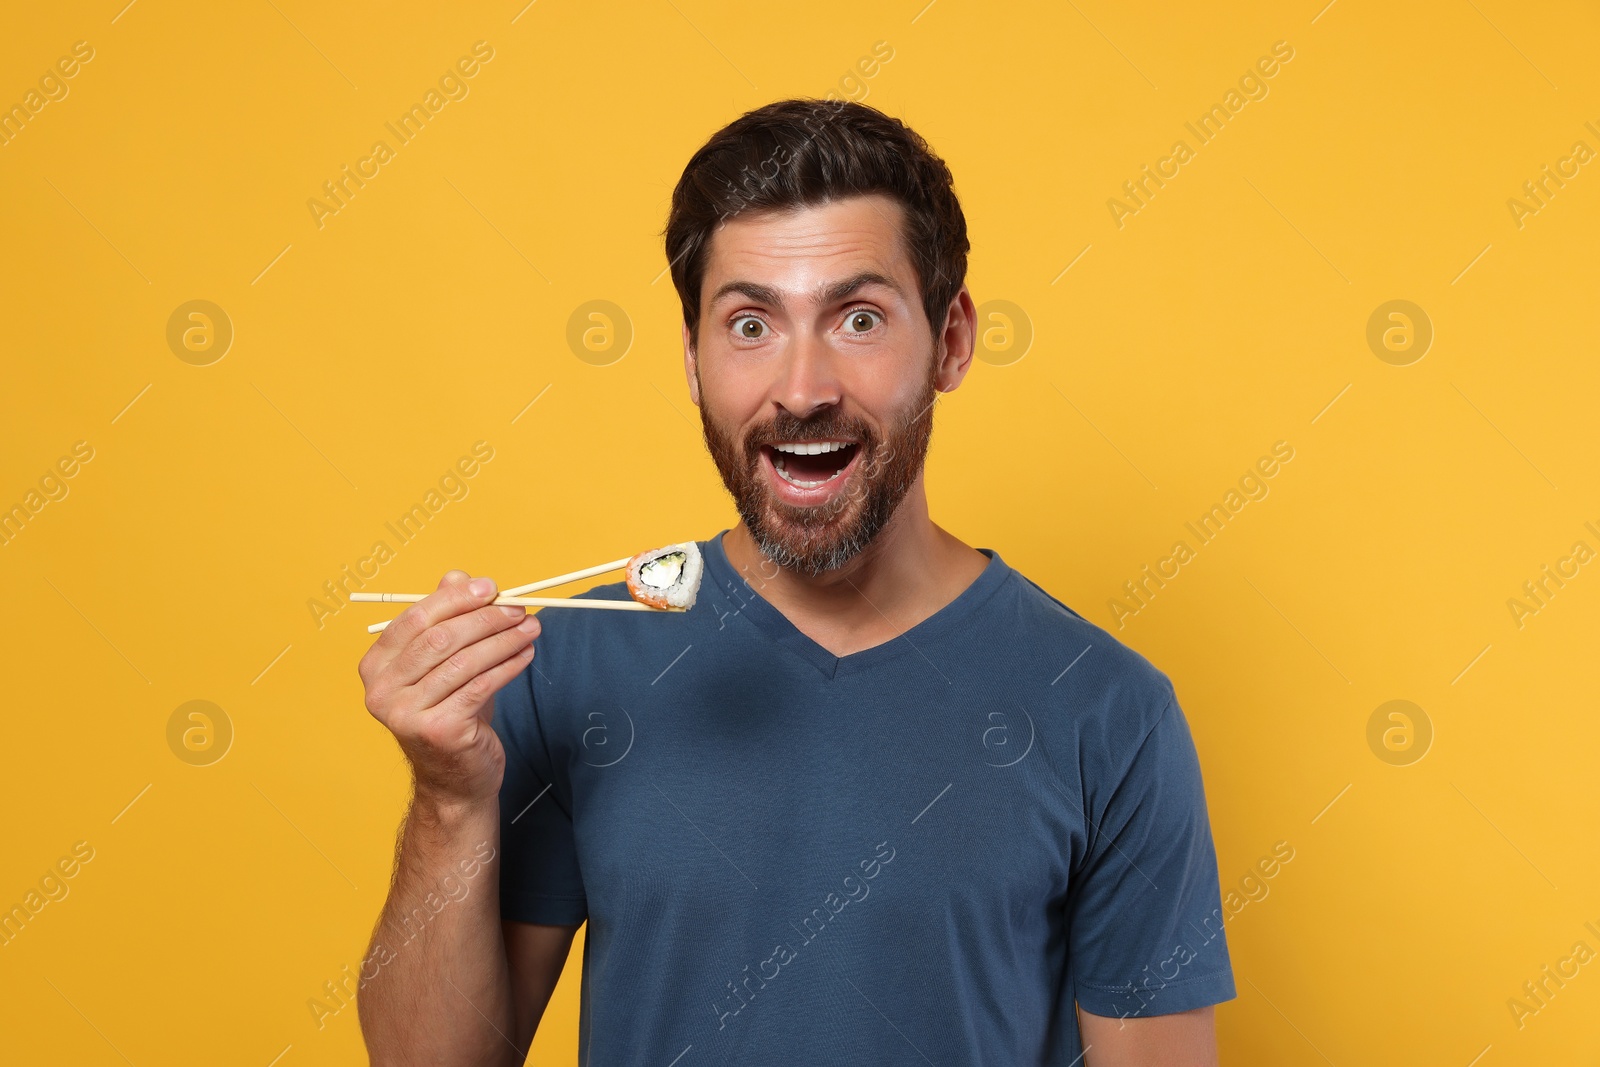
pixel 410 622
pixel 467 663
pixel 457 594
pixel 477 690
pixel 443 641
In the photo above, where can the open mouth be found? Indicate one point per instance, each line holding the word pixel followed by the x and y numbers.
pixel 810 465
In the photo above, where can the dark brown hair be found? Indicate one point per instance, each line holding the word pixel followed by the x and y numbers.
pixel 805 152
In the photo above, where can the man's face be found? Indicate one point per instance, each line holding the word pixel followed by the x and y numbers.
pixel 815 374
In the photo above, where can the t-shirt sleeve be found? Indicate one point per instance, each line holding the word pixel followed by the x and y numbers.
pixel 1145 919
pixel 540 881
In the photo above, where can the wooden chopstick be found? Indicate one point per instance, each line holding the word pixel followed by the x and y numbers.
pixel 563 579
pixel 513 597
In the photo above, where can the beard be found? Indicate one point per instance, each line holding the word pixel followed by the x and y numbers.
pixel 819 538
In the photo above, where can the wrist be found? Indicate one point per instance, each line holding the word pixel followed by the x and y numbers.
pixel 450 813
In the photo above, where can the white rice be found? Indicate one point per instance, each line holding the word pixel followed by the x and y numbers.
pixel 681 593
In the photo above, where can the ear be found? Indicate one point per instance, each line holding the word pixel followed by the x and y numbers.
pixel 689 369
pixel 955 345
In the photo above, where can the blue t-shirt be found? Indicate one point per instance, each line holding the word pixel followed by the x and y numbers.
pixel 923 852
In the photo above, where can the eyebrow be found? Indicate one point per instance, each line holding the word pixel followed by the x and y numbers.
pixel 828 294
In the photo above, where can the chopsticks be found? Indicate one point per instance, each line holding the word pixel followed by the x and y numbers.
pixel 514 597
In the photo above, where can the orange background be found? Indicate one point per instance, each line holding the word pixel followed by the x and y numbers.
pixel 1141 363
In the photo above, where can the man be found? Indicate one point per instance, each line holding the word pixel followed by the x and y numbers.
pixel 876 798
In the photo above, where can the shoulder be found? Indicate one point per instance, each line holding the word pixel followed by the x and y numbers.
pixel 561 627
pixel 591 659
pixel 588 643
pixel 1110 723
pixel 1114 696
pixel 584 655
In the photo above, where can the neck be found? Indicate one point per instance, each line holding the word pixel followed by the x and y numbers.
pixel 910 570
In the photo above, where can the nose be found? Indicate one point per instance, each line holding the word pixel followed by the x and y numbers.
pixel 808 380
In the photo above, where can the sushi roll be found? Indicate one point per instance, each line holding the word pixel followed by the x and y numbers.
pixel 667 577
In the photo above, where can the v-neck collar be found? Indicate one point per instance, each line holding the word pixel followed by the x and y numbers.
pixel 772 622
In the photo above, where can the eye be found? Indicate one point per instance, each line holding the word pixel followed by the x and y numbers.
pixel 749 327
pixel 861 320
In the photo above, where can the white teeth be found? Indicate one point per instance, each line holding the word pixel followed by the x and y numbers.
pixel 812 448
pixel 786 476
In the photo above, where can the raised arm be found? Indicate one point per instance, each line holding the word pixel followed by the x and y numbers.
pixel 437 982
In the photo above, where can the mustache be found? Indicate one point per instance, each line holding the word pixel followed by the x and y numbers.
pixel 831 425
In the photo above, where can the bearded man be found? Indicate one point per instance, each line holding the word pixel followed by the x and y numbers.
pixel 876 798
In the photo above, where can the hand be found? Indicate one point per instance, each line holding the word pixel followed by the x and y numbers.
pixel 431 679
